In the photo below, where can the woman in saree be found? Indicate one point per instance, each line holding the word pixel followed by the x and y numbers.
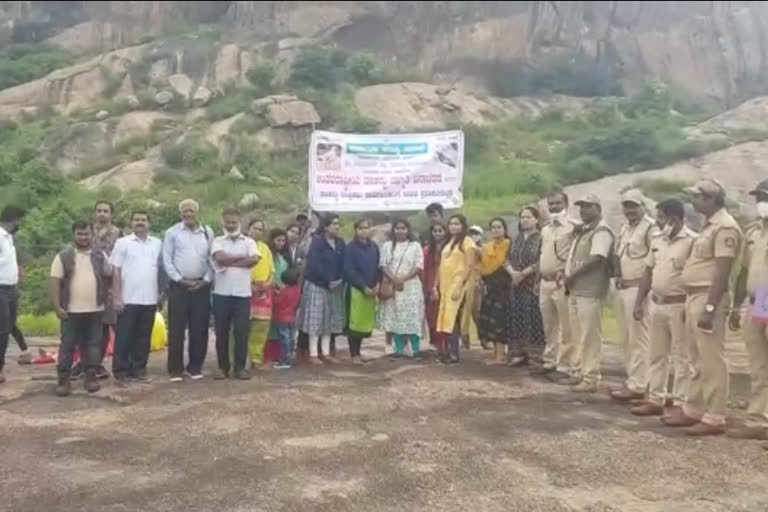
pixel 494 323
pixel 262 284
pixel 527 336
pixel 453 284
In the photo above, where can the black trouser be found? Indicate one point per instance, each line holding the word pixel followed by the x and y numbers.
pixel 132 340
pixel 81 331
pixel 8 309
pixel 355 342
pixel 188 310
pixel 19 337
pixel 232 314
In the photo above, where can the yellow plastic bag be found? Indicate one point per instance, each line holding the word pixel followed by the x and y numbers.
pixel 159 333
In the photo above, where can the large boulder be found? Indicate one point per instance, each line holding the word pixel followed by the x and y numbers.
pixel 249 201
pixel 259 106
pixel 73 147
pixel 202 97
pixel 163 98
pixel 138 124
pixel 137 175
pixel 292 114
pixel 181 85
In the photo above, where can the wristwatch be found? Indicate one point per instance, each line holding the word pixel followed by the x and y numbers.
pixel 709 308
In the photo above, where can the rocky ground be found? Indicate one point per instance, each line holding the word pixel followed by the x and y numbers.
pixel 385 437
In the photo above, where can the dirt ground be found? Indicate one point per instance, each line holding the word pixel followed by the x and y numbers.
pixel 385 437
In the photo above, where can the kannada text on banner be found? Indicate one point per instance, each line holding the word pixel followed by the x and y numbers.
pixel 349 173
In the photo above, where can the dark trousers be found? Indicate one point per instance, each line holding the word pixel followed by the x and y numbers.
pixel 80 331
pixel 355 342
pixel 132 340
pixel 19 337
pixel 232 314
pixel 188 311
pixel 8 310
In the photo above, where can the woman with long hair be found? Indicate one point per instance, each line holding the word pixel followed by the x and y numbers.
pixel 402 313
pixel 262 286
pixel 494 324
pixel 281 254
pixel 453 284
pixel 361 273
pixel 322 302
pixel 527 330
pixel 438 235
pixel 293 240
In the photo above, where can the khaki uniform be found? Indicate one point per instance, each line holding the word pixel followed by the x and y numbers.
pixel 560 347
pixel 587 294
pixel 667 318
pixel 708 392
pixel 632 248
pixel 756 334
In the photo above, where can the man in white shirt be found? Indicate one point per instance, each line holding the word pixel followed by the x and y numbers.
pixel 136 260
pixel 10 221
pixel 234 254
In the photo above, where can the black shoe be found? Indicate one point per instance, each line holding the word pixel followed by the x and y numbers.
pixel 102 373
pixel 243 375
pixel 221 374
pixel 77 372
pixel 91 382
pixel 64 387
pixel 417 357
pixel 121 382
pixel 395 357
pixel 141 377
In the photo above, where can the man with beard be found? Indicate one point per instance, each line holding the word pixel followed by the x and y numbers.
pixel 78 291
pixel 234 254
pixel 10 221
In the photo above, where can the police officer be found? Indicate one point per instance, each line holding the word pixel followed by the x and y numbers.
pixel 663 277
pixel 587 274
pixel 705 276
pixel 753 282
pixel 556 238
pixel 632 247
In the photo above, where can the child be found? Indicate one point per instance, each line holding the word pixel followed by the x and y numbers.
pixel 286 305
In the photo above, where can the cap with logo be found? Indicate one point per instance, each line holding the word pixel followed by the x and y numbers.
pixel 707 186
pixel 588 199
pixel 477 229
pixel 634 196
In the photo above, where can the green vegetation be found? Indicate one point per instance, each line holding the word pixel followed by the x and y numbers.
pixel 20 63
pixel 46 324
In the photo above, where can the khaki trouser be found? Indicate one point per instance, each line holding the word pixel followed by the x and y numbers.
pixel 633 335
pixel 708 392
pixel 558 333
pixel 667 342
pixel 756 340
pixel 585 317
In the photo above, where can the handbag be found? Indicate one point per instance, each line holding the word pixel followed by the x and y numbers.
pixel 387 287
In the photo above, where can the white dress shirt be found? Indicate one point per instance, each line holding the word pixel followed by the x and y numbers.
pixel 233 281
pixel 138 262
pixel 9 267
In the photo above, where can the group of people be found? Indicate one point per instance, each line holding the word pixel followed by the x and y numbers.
pixel 537 297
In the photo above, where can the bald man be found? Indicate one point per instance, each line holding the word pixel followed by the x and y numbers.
pixel 186 260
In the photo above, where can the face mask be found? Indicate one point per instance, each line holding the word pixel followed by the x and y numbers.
pixel 477 238
pixel 558 217
pixel 762 209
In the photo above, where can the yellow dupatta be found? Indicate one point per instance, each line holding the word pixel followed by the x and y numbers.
pixel 494 256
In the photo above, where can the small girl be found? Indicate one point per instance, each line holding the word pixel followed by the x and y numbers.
pixel 286 304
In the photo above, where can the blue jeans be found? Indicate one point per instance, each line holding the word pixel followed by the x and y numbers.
pixel 287 336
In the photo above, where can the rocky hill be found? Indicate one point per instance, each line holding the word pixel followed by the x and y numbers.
pixel 715 50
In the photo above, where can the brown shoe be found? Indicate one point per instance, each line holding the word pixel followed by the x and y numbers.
pixel 647 409
pixel 625 395
pixel 704 429
pixel 759 433
pixel 678 419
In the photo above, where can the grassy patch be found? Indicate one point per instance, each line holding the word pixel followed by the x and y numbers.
pixel 39 325
pixel 21 63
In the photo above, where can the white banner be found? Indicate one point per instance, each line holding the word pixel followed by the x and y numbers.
pixel 363 173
